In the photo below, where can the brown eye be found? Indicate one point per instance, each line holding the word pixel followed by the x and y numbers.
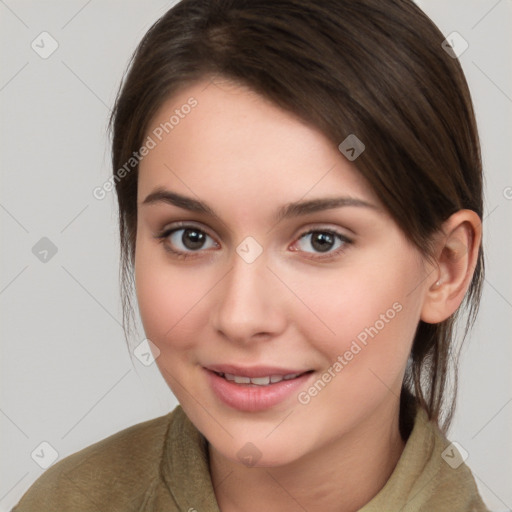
pixel 193 238
pixel 327 242
pixel 322 241
pixel 186 240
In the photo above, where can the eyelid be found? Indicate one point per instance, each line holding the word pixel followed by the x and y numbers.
pixel 174 226
pixel 301 232
pixel 169 229
pixel 345 240
pixel 338 230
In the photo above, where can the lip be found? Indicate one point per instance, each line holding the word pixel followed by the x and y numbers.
pixel 254 371
pixel 250 397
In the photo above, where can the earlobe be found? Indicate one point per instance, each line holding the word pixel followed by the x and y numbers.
pixel 457 254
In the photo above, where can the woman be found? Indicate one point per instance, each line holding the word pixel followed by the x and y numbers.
pixel 300 205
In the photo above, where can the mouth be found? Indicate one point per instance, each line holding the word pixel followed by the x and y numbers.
pixel 266 380
pixel 257 388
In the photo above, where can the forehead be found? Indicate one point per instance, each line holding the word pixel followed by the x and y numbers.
pixel 233 144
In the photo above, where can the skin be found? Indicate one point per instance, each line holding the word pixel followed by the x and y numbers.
pixel 245 158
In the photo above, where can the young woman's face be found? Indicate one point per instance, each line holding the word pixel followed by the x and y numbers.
pixel 318 305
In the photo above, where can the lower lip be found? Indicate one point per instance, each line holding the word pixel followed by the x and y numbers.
pixel 253 398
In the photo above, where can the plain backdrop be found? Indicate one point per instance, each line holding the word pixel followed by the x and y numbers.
pixel 67 377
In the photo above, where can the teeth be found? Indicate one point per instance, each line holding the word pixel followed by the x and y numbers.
pixel 259 381
pixel 242 380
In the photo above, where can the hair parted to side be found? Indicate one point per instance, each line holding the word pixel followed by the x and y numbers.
pixel 372 68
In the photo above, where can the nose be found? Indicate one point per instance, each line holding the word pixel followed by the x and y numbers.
pixel 248 306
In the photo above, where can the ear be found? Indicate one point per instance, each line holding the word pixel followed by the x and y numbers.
pixel 457 249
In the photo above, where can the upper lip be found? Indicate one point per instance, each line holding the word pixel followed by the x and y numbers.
pixel 253 371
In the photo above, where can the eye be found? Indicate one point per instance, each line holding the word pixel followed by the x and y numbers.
pixel 185 240
pixel 324 241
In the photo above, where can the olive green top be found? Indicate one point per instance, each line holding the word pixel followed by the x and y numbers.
pixel 162 465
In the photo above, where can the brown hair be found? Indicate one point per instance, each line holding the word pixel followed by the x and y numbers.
pixel 371 68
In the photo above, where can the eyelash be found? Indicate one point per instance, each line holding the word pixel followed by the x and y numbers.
pixel 163 236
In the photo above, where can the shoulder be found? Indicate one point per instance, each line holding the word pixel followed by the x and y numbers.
pixel 430 474
pixel 112 474
pixel 446 479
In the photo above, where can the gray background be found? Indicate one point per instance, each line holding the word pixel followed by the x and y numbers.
pixel 67 377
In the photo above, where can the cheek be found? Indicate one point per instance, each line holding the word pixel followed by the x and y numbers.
pixel 366 313
pixel 168 296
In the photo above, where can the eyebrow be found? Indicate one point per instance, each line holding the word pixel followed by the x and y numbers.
pixel 287 211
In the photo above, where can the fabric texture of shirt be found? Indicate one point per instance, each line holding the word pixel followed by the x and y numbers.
pixel 162 465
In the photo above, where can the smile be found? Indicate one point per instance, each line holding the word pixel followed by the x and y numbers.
pixel 255 389
pixel 258 381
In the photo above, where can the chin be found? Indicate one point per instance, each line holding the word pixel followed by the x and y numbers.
pixel 262 455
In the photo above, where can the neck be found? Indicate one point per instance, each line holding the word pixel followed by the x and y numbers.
pixel 341 476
